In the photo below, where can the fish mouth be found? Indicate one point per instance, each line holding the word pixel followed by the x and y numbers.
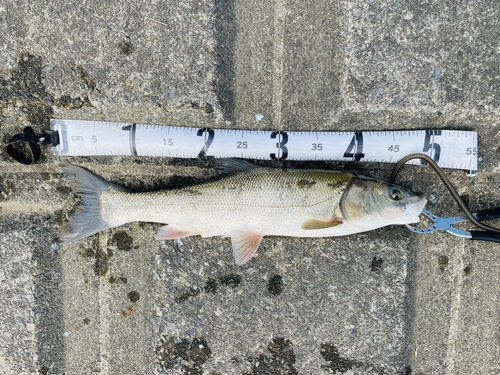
pixel 420 204
pixel 415 206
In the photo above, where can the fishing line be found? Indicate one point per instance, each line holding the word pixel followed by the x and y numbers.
pixel 447 183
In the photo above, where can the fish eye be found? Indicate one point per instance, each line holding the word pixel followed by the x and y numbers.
pixel 395 194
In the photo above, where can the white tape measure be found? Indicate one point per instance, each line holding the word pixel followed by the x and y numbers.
pixel 449 148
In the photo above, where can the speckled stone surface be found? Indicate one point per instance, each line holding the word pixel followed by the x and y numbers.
pixel 120 302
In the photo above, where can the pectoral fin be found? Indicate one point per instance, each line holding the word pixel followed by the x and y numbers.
pixel 169 233
pixel 245 245
pixel 319 224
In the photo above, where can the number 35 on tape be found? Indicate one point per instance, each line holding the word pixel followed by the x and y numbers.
pixel 449 148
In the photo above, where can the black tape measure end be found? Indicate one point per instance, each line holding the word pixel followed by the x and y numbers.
pixel 48 137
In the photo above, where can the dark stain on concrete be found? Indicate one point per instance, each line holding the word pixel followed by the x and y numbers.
pixel 233 280
pixel 86 78
pixel 190 293
pixel 276 285
pixel 211 286
pixel 114 279
pixel 126 46
pixel 122 241
pixel 100 256
pixel 330 354
pixel 67 101
pixel 60 217
pixel 443 262
pixel 376 265
pixel 408 371
pixel 101 261
pixel 467 271
pixel 25 89
pixel 133 296
pixel 280 362
pixel 184 354
pixel 336 363
pixel 208 108
pixel 65 191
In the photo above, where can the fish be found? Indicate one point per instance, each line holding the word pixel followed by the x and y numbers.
pixel 248 203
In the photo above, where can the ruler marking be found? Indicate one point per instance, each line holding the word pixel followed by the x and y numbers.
pixel 147 139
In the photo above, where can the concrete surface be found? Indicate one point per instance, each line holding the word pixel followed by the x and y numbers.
pixel 384 302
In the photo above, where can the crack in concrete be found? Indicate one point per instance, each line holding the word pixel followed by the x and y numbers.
pixel 458 266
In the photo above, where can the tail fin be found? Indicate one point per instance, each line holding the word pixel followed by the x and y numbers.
pixel 87 220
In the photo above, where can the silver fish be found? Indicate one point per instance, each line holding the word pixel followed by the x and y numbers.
pixel 247 205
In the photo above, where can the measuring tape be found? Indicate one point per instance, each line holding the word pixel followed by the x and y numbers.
pixel 449 148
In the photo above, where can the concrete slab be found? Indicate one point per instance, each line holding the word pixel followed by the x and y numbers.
pixel 313 60
pixel 475 340
pixel 120 302
pixel 31 278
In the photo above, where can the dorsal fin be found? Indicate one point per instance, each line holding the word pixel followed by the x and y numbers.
pixel 224 167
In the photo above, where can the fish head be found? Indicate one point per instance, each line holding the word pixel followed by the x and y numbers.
pixel 374 203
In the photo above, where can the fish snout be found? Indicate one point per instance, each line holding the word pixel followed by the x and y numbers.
pixel 414 209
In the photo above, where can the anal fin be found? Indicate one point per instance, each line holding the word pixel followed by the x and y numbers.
pixel 320 224
pixel 169 233
pixel 245 244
